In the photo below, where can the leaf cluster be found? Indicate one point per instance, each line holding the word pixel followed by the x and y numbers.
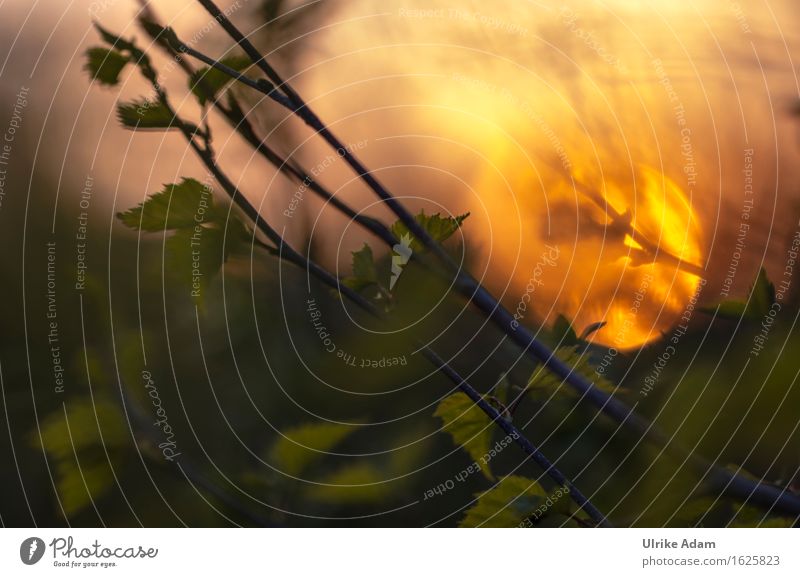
pixel 203 233
pixel 364 268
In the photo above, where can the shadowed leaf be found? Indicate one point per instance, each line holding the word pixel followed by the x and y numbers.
pixel 468 425
pixel 762 297
pixel 206 82
pixel 751 516
pixel 438 227
pixel 195 256
pixel 301 447
pixel 80 485
pixel 507 504
pixel 545 381
pixel 144 114
pixel 159 33
pixel 73 439
pixel 563 333
pixel 176 206
pixel 118 43
pixel 105 65
pixel 364 273
pixel 358 483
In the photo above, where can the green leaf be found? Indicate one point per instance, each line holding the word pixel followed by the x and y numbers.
pixel 239 235
pixel 115 41
pixel 144 114
pixel 438 227
pixel 60 435
pixel 206 82
pixel 510 502
pixel 205 235
pixel 301 447
pixel 182 205
pixel 751 516
pixel 777 523
pixel 728 309
pixel 364 265
pixel 545 381
pixel 105 65
pixel 164 35
pixel 354 484
pixel 688 514
pixel 79 485
pixel 126 46
pixel 76 434
pixel 762 297
pixel 563 333
pixel 364 272
pixel 195 256
pixel 135 55
pixel 470 427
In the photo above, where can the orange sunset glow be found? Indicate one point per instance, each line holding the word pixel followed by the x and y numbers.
pixel 610 144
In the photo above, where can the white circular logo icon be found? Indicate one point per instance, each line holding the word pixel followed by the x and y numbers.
pixel 31 550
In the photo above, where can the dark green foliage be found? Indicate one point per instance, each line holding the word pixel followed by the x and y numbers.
pixel 176 206
pixel 71 438
pixel 195 256
pixel 126 47
pixel 359 482
pixel 364 267
pixel 204 234
pixel 519 502
pixel 297 449
pixel 117 42
pixel 364 271
pixel 305 452
pixel 545 382
pixel 165 35
pixel 207 82
pixel 469 426
pixel 563 333
pixel 105 65
pixel 507 504
pixel 761 299
pixel 438 227
pixel 146 114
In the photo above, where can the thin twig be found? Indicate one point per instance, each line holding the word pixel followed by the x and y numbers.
pixel 236 118
pixel 282 93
